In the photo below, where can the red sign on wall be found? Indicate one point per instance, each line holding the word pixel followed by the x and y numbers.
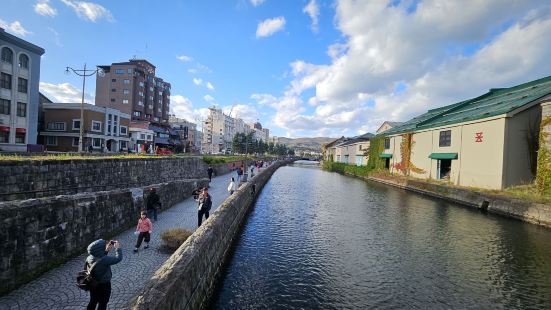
pixel 478 137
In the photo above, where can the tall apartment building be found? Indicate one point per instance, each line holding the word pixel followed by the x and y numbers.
pixel 19 77
pixel 133 88
pixel 218 132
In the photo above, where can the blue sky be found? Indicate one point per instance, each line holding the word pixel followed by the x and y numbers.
pixel 318 68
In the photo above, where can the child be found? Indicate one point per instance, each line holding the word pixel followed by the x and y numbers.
pixel 143 229
pixel 231 186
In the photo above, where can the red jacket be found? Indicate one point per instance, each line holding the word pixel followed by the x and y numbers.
pixel 144 225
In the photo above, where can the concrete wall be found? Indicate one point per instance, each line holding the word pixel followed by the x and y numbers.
pixel 33 179
pixel 517 152
pixel 39 233
pixel 188 277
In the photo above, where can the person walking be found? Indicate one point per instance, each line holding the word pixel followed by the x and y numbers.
pixel 153 201
pixel 99 254
pixel 231 186
pixel 210 171
pixel 204 205
pixel 143 229
pixel 240 172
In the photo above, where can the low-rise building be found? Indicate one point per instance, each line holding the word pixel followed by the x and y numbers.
pixel 105 129
pixel 354 151
pixel 141 137
pixel 488 142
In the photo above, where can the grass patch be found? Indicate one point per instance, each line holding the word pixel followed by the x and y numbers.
pixel 211 160
pixel 173 238
pixel 75 156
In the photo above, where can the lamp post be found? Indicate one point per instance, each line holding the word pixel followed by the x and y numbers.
pixel 84 73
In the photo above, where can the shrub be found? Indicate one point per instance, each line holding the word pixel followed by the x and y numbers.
pixel 175 237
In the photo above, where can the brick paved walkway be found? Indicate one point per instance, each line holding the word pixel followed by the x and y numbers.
pixel 56 289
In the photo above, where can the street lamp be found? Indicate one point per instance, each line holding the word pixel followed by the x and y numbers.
pixel 84 73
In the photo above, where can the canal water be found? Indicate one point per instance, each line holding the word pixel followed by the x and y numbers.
pixel 320 240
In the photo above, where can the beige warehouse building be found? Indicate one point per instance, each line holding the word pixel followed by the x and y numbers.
pixel 486 142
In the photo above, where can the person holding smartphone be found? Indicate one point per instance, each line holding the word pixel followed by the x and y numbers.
pixel 99 252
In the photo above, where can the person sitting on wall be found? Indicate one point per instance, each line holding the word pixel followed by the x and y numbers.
pixel 204 205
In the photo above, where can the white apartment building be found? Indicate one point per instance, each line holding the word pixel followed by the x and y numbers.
pixel 19 77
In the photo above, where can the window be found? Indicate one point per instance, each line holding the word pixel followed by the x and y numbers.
pixel 142 136
pixel 123 130
pixel 96 142
pixel 115 129
pixel 140 103
pixel 125 101
pixel 137 113
pixel 129 71
pixel 150 106
pixel 360 147
pixel 5 80
pixel 126 91
pixel 149 137
pixel 151 98
pixel 20 137
pixel 24 61
pixel 4 106
pixel 123 144
pixel 22 85
pixel 141 84
pixel 21 109
pixel 4 136
pixel 140 94
pixel 76 124
pixel 160 93
pixel 445 138
pixel 126 81
pixel 115 118
pixel 51 140
pixel 151 89
pixel 119 71
pixel 96 126
pixel 112 99
pixel 7 55
pixel 113 90
pixel 113 80
pixel 56 126
pixel 75 141
pixel 387 143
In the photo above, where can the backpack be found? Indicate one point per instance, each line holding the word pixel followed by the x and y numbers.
pixel 85 279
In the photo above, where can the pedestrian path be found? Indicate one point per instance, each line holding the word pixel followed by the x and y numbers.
pixel 56 289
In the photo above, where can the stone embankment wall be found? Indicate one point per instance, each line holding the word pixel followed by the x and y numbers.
pixel 39 233
pixel 531 212
pixel 188 277
pixel 35 179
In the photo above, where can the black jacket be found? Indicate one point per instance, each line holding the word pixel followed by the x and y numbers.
pixel 153 200
pixel 205 203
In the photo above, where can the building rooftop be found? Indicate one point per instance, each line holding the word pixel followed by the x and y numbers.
pixel 20 42
pixel 497 101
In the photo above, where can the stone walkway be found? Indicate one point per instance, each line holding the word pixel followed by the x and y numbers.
pixel 56 289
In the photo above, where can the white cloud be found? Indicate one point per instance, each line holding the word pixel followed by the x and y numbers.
pixel 64 93
pixel 209 99
pixel 313 10
pixel 43 7
pixel 257 2
pixel 184 58
pixel 197 81
pixel 440 53
pixel 89 10
pixel 270 26
pixel 15 27
pixel 210 86
pixel 192 71
pixel 56 37
pixel 246 112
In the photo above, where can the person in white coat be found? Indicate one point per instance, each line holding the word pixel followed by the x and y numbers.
pixel 231 186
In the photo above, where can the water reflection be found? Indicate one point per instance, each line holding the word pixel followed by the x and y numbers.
pixel 322 240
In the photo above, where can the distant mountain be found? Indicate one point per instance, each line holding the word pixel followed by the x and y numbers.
pixel 305 144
